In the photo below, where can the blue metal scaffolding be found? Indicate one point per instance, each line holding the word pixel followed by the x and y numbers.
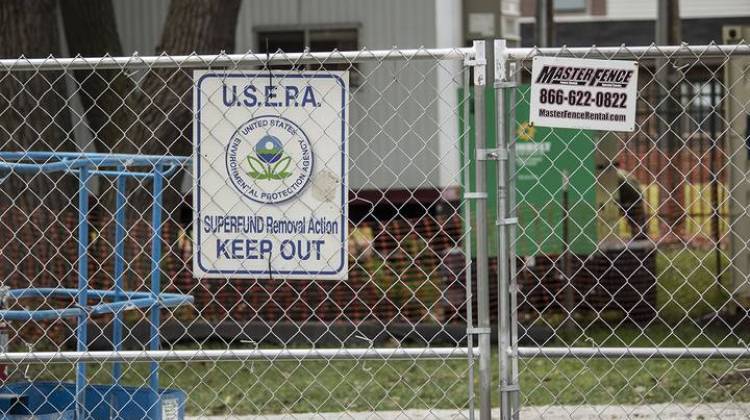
pixel 116 301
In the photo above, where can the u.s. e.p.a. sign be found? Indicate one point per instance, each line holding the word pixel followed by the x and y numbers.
pixel 583 93
pixel 270 191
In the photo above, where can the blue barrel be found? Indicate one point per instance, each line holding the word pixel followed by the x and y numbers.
pixel 57 401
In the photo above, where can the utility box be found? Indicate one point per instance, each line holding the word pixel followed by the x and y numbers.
pixel 737 78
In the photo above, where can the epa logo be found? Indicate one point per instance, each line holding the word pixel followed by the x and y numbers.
pixel 269 159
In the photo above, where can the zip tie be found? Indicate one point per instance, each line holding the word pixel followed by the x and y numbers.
pixel 503 85
pixel 479 330
pixel 491 154
pixel 506 222
pixel 475 61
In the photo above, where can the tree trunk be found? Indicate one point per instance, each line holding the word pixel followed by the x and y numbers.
pixel 33 116
pixel 153 117
pixel 91 31
pixel 200 26
pixel 165 116
pixel 157 121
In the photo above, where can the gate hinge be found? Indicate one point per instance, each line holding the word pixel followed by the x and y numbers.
pixel 507 221
pixel 478 330
pixel 492 154
pixel 471 62
pixel 510 388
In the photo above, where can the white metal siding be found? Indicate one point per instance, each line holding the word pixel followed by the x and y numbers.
pixel 393 139
pixel 714 8
pixel 383 23
pixel 395 136
pixel 646 9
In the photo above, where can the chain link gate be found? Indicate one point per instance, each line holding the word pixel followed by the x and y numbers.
pixel 624 255
pixel 102 316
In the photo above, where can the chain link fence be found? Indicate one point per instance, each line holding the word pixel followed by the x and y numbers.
pixel 629 251
pixel 610 267
pixel 102 310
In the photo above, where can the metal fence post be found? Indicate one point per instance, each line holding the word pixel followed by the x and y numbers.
pixel 468 196
pixel 513 79
pixel 506 322
pixel 483 290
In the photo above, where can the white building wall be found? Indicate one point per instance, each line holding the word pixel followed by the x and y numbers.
pixel 403 130
pixel 395 139
pixel 382 23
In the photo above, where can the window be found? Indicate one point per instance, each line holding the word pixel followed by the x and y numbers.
pixel 700 101
pixel 318 40
pixel 570 6
pixel 292 41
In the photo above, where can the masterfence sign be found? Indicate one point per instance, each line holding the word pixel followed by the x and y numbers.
pixel 583 93
pixel 270 191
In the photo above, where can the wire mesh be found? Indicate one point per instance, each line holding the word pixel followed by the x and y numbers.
pixel 628 261
pixel 629 247
pixel 391 337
